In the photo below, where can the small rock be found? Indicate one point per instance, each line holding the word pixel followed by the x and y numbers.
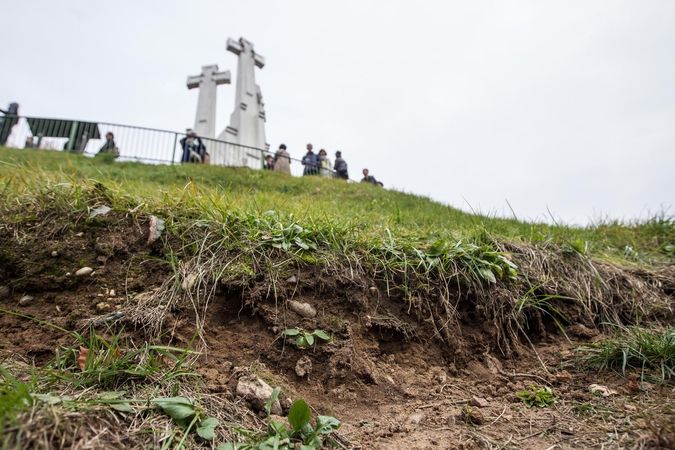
pixel 479 402
pixel 583 331
pixel 472 416
pixel 286 403
pixel 292 279
pixel 302 309
pixel 103 307
pixel 112 292
pixel 4 292
pixel 564 376
pixel 68 274
pixel 55 253
pixel 258 393
pixel 80 234
pixel 25 300
pixel 416 418
pixel 189 282
pixel 303 366
pixel 99 295
pixel 84 271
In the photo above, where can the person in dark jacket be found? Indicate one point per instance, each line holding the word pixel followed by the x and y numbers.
pixel 311 162
pixel 194 150
pixel 7 123
pixel 340 166
pixel 269 163
pixel 368 178
pixel 109 147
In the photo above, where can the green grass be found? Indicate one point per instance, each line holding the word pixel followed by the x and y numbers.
pixel 635 349
pixel 210 192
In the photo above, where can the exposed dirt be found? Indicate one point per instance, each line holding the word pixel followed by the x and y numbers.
pixel 385 373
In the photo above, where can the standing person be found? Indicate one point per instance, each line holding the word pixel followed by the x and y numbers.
pixel 269 163
pixel 282 160
pixel 368 178
pixel 310 161
pixel 340 166
pixel 7 123
pixel 326 167
pixel 194 150
pixel 109 147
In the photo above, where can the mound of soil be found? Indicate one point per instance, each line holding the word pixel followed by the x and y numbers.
pixel 387 373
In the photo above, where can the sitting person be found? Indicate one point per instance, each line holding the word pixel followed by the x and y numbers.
pixel 368 178
pixel 30 143
pixel 109 148
pixel 194 150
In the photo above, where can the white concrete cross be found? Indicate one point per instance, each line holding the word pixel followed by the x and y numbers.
pixel 205 122
pixel 247 122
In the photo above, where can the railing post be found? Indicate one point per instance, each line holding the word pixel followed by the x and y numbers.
pixel 73 132
pixel 175 142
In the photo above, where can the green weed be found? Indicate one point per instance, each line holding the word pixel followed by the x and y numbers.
pixel 304 338
pixel 301 434
pixel 541 397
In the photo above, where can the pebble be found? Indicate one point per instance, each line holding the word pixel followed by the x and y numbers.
pixel 415 419
pixel 479 402
pixel 55 253
pixel 25 300
pixel 302 309
pixel 84 271
pixel 112 292
pixel 103 307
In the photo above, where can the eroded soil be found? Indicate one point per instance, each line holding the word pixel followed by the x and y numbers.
pixel 385 374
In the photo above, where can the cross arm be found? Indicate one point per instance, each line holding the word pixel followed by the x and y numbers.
pixel 193 82
pixel 234 46
pixel 222 77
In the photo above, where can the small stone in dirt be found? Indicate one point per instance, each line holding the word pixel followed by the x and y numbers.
pixel 286 403
pixel 302 309
pixel 4 292
pixel 472 416
pixel 55 253
pixel 583 331
pixel 303 366
pixel 112 292
pixel 25 300
pixel 80 234
pixel 103 307
pixel 84 271
pixel 189 282
pixel 416 418
pixel 563 376
pixel 479 402
pixel 292 279
pixel 68 274
pixel 258 393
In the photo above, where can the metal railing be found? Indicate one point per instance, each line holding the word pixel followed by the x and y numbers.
pixel 147 145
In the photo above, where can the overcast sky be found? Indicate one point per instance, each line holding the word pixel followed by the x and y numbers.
pixel 566 106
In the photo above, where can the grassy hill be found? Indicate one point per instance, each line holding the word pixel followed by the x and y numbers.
pixel 361 211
